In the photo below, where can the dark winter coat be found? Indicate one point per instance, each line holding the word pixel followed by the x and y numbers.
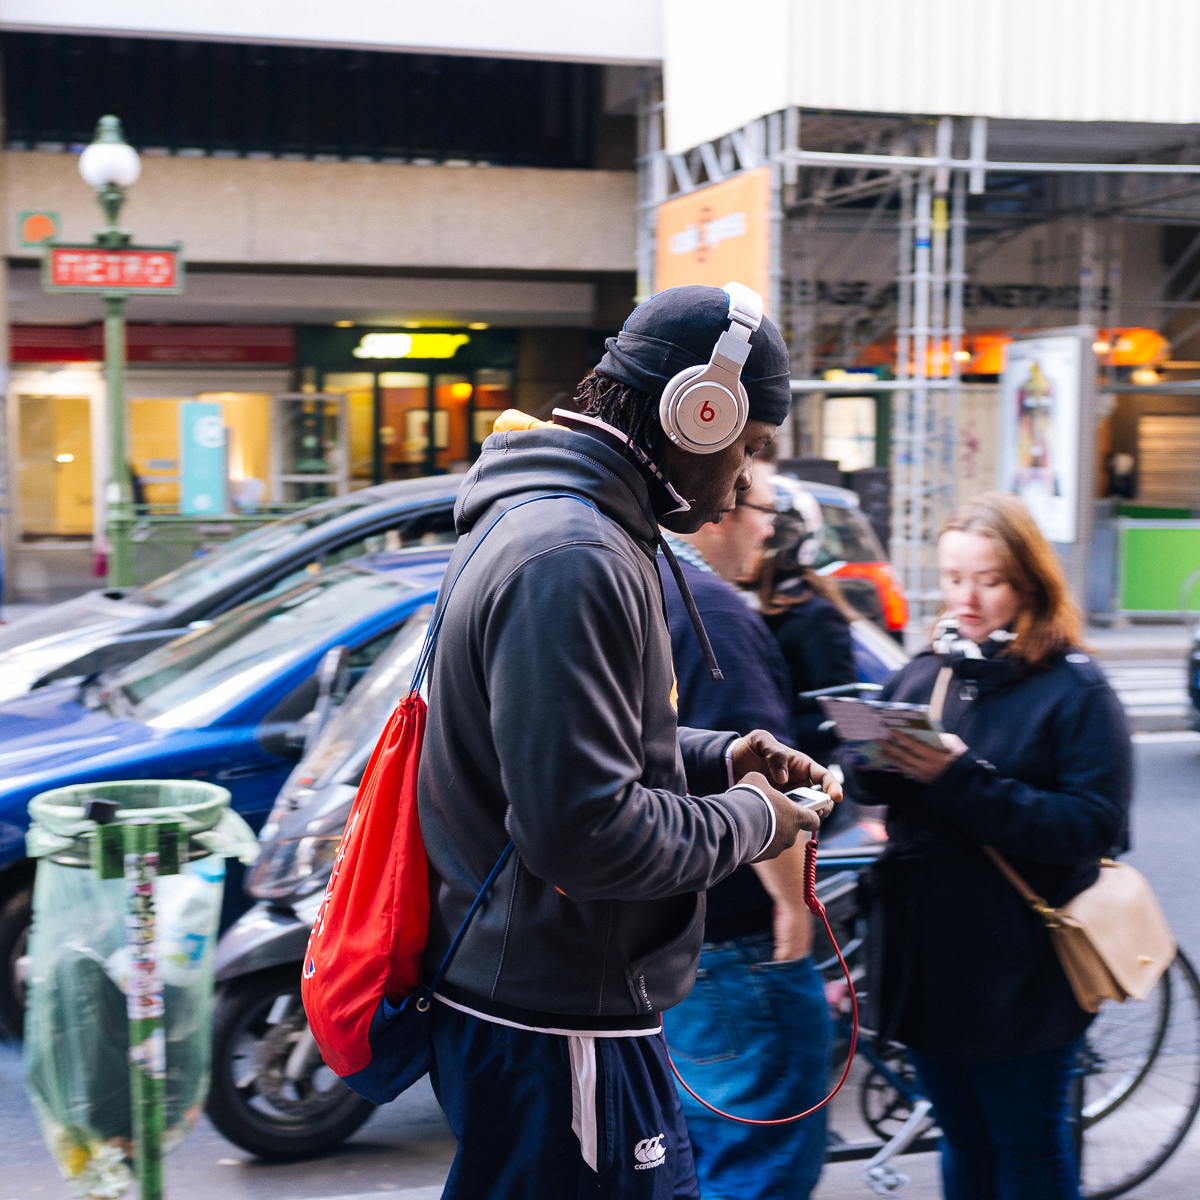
pixel 815 640
pixel 753 695
pixel 962 968
pixel 551 722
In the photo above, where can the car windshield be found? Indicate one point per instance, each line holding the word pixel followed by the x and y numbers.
pixel 191 681
pixel 847 536
pixel 233 557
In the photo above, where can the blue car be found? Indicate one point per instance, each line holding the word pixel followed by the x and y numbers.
pixel 229 703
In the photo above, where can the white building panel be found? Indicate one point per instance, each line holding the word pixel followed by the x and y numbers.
pixel 723 65
pixel 610 31
pixel 1061 60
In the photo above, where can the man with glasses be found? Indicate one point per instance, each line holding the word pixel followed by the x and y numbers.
pixel 754 1035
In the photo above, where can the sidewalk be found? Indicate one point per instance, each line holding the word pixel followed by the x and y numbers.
pixel 1145 642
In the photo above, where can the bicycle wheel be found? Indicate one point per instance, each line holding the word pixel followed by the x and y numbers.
pixel 1140 1068
pixel 882 1105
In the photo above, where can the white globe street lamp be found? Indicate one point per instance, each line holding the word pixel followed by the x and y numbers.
pixel 110 165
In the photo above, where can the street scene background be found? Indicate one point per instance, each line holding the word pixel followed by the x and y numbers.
pixel 258 263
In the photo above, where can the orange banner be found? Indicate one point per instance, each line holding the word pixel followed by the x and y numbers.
pixel 717 234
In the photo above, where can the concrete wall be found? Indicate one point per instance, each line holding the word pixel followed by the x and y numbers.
pixel 269 212
pixel 550 364
pixel 616 31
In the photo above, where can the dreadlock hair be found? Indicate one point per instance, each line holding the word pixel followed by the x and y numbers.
pixel 633 412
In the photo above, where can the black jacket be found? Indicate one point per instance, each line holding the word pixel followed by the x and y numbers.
pixel 551 721
pixel 751 696
pixel 961 968
pixel 816 644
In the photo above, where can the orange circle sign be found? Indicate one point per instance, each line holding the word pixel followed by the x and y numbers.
pixel 37 227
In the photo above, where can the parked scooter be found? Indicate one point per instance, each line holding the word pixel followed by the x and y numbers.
pixel 271 1094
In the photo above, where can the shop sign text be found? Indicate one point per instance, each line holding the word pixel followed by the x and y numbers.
pixel 98 269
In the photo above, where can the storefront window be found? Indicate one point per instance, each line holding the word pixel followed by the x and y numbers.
pixel 403 429
pixel 359 389
pixel 154 446
pixel 493 394
pixel 54 466
pixel 248 437
pixel 453 394
pixel 427 400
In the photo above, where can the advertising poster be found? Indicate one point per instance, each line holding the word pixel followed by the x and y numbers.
pixel 717 234
pixel 1040 397
pixel 202 458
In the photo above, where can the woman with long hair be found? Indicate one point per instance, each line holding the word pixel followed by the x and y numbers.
pixel 1037 766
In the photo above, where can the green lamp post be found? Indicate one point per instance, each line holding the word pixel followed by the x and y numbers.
pixel 110 165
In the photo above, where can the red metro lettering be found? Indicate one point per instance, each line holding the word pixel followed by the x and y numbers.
pixel 707 412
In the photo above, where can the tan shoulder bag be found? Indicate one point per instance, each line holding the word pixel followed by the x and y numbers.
pixel 1112 939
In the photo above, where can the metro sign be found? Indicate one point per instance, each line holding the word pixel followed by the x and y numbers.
pixel 130 270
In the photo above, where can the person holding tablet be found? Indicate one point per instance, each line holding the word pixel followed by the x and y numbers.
pixel 1037 765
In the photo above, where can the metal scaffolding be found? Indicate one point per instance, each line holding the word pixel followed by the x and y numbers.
pixel 928 192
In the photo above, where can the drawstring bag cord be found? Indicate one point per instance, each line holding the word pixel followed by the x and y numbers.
pixel 817 909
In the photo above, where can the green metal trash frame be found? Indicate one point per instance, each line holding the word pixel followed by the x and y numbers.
pixel 151 830
pixel 164 541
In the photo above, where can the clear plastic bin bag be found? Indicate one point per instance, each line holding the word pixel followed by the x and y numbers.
pixel 77 1031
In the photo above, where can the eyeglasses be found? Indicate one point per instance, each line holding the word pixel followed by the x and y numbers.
pixel 769 509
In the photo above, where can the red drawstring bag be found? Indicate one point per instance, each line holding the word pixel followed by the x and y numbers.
pixel 364 951
pixel 362 974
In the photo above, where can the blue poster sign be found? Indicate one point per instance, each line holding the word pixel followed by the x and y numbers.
pixel 203 469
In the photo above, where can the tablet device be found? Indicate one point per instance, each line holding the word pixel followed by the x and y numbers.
pixel 862 723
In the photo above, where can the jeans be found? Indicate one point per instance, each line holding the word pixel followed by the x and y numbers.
pixel 753 1038
pixel 1005 1125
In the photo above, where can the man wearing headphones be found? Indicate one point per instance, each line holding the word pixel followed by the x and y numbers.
pixel 552 722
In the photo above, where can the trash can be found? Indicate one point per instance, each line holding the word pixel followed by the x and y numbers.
pixel 126 904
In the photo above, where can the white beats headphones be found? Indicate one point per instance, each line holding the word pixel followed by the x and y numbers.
pixel 704 408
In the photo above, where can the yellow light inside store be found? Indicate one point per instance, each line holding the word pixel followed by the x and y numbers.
pixel 478 325
pixel 344 324
pixel 460 391
pixel 64 458
pixel 410 345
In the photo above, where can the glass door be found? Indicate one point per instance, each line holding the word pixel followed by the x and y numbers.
pixel 359 389
pixel 54 467
pixel 492 395
pixel 308 447
pixel 404 402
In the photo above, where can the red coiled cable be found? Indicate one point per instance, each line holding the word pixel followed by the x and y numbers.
pixel 817 909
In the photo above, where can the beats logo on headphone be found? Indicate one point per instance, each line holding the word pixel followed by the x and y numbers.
pixel 704 408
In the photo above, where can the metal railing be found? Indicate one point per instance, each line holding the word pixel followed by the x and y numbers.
pixel 164 539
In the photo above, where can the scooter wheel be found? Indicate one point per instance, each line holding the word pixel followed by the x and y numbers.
pixel 271 1093
pixel 16 913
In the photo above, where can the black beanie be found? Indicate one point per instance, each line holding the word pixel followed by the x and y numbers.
pixel 678 328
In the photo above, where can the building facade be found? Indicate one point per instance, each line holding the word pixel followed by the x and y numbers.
pixel 422 239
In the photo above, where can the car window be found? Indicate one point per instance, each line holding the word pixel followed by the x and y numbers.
pixel 233 557
pixel 363 657
pixel 432 528
pixel 425 529
pixel 847 536
pixel 189 682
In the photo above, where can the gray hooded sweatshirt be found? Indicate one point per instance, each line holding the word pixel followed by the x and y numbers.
pixel 552 721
